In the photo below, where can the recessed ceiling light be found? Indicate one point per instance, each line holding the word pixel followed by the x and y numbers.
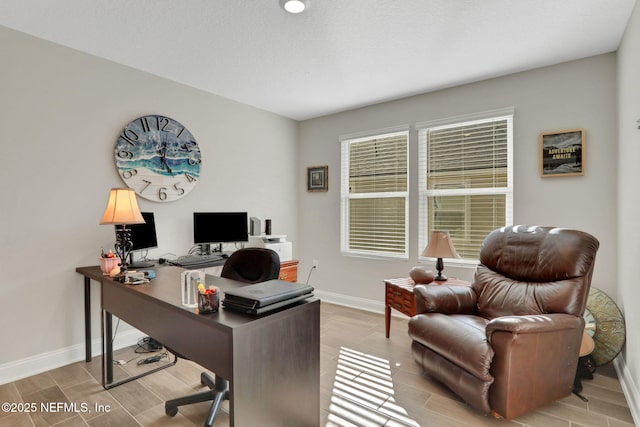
pixel 294 6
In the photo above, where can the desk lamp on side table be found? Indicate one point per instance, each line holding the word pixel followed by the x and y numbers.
pixel 440 246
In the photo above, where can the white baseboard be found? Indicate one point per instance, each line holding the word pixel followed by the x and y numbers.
pixel 43 362
pixel 353 302
pixel 629 387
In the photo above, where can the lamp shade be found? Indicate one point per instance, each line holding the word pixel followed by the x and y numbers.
pixel 440 246
pixel 122 208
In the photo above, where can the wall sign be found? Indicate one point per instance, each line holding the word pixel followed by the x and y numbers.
pixel 562 153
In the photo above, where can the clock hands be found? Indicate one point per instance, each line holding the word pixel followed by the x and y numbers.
pixel 163 158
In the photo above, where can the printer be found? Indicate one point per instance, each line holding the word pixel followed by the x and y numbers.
pixel 277 243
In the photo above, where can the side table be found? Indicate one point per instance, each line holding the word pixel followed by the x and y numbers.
pixel 399 295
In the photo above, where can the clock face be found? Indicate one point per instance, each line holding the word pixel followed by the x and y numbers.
pixel 158 158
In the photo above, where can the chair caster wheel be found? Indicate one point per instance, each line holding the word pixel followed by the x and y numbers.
pixel 171 411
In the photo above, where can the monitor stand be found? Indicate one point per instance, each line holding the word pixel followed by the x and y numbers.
pixel 140 263
pixel 210 248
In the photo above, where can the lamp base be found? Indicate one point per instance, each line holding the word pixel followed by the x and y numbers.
pixel 439 267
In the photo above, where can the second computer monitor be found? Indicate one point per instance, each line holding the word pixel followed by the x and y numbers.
pixel 219 227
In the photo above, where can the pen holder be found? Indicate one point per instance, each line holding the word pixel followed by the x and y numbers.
pixel 108 264
pixel 209 301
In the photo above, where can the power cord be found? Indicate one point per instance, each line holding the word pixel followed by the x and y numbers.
pixel 309 276
pixel 148 345
pixel 154 359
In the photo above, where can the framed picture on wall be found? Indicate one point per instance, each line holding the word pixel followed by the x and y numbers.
pixel 317 178
pixel 562 153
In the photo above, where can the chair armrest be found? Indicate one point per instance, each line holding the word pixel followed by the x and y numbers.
pixel 446 299
pixel 533 324
pixel 535 355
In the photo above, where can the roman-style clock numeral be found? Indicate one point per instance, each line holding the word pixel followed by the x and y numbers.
pixel 130 136
pixel 162 193
pixel 164 121
pixel 147 184
pixel 179 189
pixel 144 122
pixel 127 174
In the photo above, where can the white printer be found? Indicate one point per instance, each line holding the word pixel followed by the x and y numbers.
pixel 277 243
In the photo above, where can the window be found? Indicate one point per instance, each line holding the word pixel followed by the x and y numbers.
pixel 374 194
pixel 466 178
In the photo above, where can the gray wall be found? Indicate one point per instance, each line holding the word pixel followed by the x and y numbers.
pixel 629 202
pixel 579 94
pixel 60 114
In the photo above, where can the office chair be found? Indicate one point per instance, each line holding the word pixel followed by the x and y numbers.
pixel 248 265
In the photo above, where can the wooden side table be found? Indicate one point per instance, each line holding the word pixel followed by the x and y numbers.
pixel 289 271
pixel 399 295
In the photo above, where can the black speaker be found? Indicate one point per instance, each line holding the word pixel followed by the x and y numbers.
pixel 267 227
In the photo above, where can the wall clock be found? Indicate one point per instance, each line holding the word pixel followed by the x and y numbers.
pixel 158 158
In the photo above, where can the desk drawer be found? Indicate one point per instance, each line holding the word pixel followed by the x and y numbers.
pixel 289 271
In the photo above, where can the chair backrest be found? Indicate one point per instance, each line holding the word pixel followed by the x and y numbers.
pixel 534 270
pixel 252 265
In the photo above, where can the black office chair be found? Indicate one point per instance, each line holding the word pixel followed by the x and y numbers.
pixel 248 265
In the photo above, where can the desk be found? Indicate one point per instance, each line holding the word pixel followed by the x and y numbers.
pixel 272 362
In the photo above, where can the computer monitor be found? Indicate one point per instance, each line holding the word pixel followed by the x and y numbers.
pixel 143 237
pixel 219 228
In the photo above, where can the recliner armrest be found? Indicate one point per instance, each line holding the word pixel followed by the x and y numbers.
pixel 534 323
pixel 446 299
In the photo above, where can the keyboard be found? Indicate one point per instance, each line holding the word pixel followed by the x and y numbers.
pixel 189 261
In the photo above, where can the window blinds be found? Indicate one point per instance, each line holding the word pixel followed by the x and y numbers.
pixel 466 186
pixel 374 191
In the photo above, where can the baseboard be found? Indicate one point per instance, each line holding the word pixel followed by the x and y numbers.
pixel 373 306
pixel 43 362
pixel 348 301
pixel 629 388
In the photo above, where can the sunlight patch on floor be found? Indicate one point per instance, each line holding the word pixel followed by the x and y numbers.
pixel 363 393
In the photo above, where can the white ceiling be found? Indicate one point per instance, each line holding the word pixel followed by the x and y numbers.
pixel 338 55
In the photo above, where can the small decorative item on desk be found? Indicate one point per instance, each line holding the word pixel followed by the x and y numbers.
pixel 189 287
pixel 109 262
pixel 208 299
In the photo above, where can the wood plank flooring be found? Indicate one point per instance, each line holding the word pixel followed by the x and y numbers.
pixel 366 380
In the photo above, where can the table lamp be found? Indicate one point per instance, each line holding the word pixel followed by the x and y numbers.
pixel 122 210
pixel 440 246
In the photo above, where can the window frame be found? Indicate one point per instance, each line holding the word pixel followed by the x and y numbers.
pixel 346 196
pixel 424 193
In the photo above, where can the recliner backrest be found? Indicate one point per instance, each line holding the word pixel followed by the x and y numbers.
pixel 534 270
pixel 252 265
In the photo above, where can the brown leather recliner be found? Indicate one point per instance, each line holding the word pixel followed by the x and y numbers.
pixel 509 343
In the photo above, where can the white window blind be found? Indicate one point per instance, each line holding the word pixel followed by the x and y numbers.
pixel 374 195
pixel 466 178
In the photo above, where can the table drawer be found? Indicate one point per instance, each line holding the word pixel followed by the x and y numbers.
pixel 289 271
pixel 401 299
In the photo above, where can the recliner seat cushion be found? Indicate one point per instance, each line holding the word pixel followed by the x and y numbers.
pixel 455 337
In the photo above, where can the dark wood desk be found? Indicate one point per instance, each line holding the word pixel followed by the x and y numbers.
pixel 272 362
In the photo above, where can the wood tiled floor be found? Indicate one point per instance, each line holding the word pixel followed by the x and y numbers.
pixel 366 380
